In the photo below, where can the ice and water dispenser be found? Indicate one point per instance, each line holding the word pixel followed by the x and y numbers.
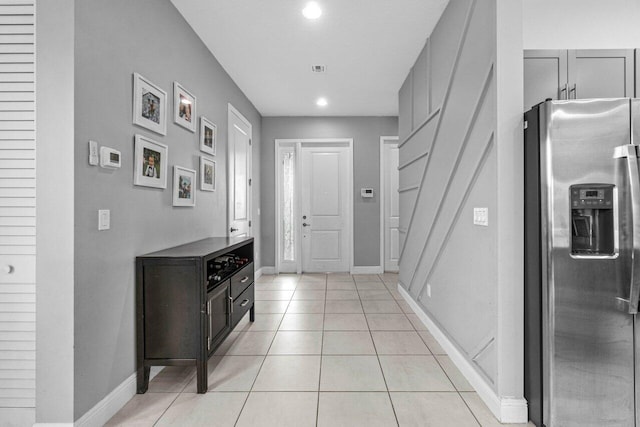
pixel 592 220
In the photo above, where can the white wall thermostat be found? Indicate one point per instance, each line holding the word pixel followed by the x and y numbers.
pixel 110 158
pixel 366 192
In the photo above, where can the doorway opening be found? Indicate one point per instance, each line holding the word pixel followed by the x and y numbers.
pixel 314 205
pixel 239 167
pixel 389 203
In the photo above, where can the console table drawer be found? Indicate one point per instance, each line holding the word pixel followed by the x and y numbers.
pixel 242 304
pixel 241 280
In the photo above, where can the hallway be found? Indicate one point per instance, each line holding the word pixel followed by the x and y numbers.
pixel 325 350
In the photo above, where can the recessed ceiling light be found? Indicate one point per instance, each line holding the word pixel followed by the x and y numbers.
pixel 312 10
pixel 322 102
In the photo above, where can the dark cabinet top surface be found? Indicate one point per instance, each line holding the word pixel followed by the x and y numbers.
pixel 201 248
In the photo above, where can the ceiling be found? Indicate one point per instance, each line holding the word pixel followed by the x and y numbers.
pixel 268 48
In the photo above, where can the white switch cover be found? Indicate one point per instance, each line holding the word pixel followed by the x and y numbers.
pixel 93 153
pixel 481 216
pixel 104 219
pixel 429 290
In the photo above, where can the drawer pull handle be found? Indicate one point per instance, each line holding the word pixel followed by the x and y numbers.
pixel 8 269
pixel 244 279
pixel 243 303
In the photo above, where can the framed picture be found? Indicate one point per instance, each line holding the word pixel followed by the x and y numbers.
pixel 150 163
pixel 184 107
pixel 208 136
pixel 184 186
pixel 207 174
pixel 149 105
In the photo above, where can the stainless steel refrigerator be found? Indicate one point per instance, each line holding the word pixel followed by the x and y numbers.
pixel 582 262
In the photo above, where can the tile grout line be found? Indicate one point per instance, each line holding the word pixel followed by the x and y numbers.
pixel 445 372
pixel 375 348
pixel 167 408
pixel 324 317
pixel 456 388
pixel 263 359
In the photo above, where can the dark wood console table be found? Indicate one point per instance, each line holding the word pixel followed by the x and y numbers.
pixel 186 305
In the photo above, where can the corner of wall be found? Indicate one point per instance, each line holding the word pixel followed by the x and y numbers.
pixel 510 182
pixel 55 100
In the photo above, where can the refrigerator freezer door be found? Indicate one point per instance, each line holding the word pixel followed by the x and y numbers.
pixel 635 139
pixel 588 340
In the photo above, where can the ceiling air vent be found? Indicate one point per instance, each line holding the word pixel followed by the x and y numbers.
pixel 318 68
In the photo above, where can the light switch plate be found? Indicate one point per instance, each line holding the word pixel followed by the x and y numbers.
pixel 481 216
pixel 104 219
pixel 93 153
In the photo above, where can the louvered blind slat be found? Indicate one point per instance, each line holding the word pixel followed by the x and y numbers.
pixel 17 204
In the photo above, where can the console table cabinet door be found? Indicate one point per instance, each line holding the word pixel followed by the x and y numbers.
pixel 218 314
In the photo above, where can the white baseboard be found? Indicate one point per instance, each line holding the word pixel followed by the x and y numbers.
pixel 266 270
pixel 374 269
pixel 505 409
pixel 112 403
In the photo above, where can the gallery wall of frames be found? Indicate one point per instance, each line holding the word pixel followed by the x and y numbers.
pixel 151 158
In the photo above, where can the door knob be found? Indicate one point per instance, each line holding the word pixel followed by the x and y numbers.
pixel 304 224
pixel 233 229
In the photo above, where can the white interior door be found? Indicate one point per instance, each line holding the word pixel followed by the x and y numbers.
pixel 239 174
pixel 391 204
pixel 324 213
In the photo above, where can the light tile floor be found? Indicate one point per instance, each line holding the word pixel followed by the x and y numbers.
pixel 325 350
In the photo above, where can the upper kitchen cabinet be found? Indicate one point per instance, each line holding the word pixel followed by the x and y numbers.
pixel 601 73
pixel 577 74
pixel 545 76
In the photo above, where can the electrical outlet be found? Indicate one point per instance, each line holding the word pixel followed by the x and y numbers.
pixel 429 290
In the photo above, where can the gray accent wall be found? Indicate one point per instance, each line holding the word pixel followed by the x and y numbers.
pixel 114 39
pixel 366 133
pixel 448 166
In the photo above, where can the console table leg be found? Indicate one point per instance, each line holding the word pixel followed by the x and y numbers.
pixel 143 379
pixel 252 313
pixel 201 374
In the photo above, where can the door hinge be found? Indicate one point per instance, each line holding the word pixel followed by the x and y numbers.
pixel 249 181
pixel 249 223
pixel 249 141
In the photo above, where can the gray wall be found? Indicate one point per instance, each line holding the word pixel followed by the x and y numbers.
pixel 55 213
pixel 366 133
pixel 453 84
pixel 114 39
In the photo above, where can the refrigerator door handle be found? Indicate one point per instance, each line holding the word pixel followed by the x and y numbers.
pixel 630 152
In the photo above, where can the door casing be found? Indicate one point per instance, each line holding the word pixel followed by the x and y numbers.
pixel 232 111
pixel 384 140
pixel 298 144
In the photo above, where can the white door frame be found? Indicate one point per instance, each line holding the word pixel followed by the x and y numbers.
pixel 383 140
pixel 231 109
pixel 298 144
